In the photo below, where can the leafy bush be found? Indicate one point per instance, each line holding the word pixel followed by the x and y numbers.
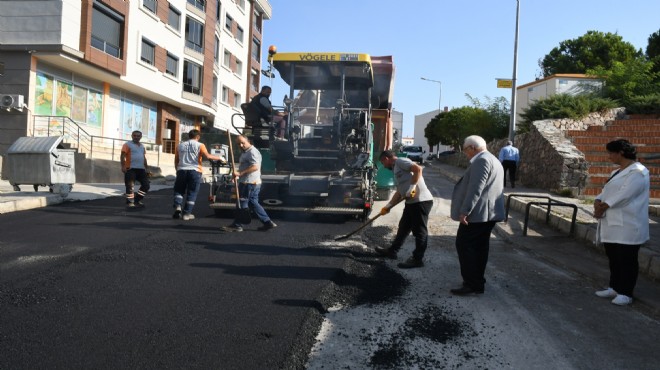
pixel 564 106
pixel 645 104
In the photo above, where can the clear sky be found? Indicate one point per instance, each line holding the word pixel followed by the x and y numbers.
pixel 466 45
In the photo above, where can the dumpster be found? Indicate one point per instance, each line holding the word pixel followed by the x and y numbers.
pixel 39 161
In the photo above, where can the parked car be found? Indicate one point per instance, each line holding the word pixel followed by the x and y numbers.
pixel 414 152
pixel 447 152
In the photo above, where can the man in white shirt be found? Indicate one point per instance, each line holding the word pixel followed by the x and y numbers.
pixel 188 163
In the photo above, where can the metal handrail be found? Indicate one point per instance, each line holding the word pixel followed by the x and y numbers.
pixel 550 202
pixel 73 134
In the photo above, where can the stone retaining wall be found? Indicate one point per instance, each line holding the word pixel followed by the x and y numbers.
pixel 548 160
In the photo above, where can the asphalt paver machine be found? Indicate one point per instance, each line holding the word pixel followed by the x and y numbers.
pixel 322 158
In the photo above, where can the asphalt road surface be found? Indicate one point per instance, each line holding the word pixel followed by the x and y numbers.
pixel 93 285
pixel 90 285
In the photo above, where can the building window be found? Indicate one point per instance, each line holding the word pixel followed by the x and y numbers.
pixel 226 59
pixel 239 34
pixel 237 100
pixel 199 4
pixel 107 26
pixel 216 52
pixel 228 22
pixel 241 4
pixel 194 35
pixel 256 21
pixel 172 67
pixel 152 5
pixel 239 67
pixel 192 77
pixel 217 11
pixel 225 94
pixel 256 49
pixel 254 80
pixel 215 89
pixel 148 51
pixel 174 18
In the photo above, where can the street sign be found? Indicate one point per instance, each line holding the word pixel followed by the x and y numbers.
pixel 504 84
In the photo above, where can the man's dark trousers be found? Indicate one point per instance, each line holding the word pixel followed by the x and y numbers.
pixel 414 218
pixel 510 166
pixel 472 245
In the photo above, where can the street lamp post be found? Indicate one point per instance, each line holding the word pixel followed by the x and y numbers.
pixel 440 98
pixel 512 123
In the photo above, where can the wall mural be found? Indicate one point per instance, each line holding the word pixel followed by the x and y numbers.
pixel 54 97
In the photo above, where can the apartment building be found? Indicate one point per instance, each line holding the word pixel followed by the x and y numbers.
pixel 114 66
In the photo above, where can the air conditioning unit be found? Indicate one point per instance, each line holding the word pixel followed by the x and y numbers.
pixel 8 101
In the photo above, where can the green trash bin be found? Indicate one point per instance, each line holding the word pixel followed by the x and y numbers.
pixel 267 163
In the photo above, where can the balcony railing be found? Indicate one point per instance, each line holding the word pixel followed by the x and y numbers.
pixel 77 138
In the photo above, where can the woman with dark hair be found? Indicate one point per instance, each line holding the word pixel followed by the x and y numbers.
pixel 623 223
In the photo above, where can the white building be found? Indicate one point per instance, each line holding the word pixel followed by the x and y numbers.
pixel 397 125
pixel 114 66
pixel 572 84
pixel 421 121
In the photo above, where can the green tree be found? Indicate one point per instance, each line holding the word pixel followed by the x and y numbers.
pixel 653 48
pixel 499 112
pixel 623 81
pixel 563 106
pixel 450 128
pixel 432 137
pixel 653 53
pixel 593 49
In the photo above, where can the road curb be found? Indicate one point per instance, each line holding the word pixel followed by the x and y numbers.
pixel 33 202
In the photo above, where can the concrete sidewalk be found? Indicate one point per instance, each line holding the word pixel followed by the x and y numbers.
pixel 13 201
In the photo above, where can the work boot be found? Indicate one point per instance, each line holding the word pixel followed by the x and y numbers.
pixel 411 263
pixel 386 252
pixel 177 212
pixel 231 229
pixel 267 226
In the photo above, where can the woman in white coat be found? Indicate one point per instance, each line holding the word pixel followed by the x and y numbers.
pixel 623 226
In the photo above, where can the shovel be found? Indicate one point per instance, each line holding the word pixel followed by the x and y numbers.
pixel 365 224
pixel 242 215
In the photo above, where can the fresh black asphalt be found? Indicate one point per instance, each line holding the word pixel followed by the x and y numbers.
pixel 95 285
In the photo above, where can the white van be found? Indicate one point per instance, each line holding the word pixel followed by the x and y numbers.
pixel 414 152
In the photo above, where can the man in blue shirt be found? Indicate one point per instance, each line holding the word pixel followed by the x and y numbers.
pixel 509 157
pixel 248 176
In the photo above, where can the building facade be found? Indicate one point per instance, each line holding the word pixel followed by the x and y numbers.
pixel 421 121
pixel 397 126
pixel 572 84
pixel 114 66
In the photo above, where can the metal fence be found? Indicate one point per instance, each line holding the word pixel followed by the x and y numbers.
pixel 77 138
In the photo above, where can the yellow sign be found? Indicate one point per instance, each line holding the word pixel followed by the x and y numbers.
pixel 504 84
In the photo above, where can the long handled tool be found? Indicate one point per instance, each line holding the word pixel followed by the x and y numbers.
pixel 242 214
pixel 366 223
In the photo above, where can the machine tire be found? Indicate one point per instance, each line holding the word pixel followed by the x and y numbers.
pixel 365 214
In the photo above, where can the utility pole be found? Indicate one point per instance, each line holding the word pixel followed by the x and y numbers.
pixel 512 123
